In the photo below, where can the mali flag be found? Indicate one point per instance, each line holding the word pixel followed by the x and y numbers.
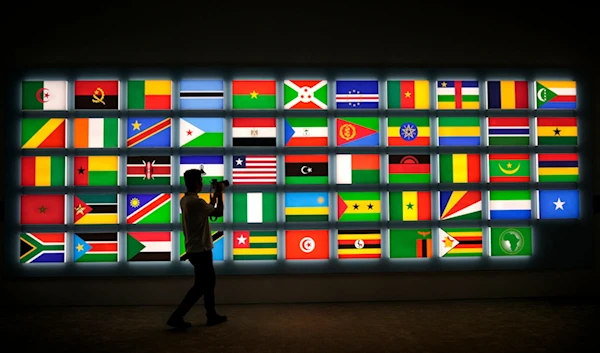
pixel 148 132
pixel 460 168
pixel 410 206
pixel 307 244
pixel 149 94
pixel 404 131
pixel 359 244
pixel 306 169
pixel 254 245
pixel 410 243
pixel 509 168
pixel 459 131
pixel 96 170
pixel 43 133
pixel 461 242
pixel 96 133
pixel 148 208
pixel 407 169
pixel 43 209
pixel 95 209
pixel 307 206
pixel 508 94
pixel 305 132
pixel 357 132
pixel 408 94
pixel 359 206
pixel 357 168
pixel 558 167
pixel 557 131
pixel 254 207
pixel 95 247
pixel 43 171
pixel 556 95
pixel 97 95
pixel 254 94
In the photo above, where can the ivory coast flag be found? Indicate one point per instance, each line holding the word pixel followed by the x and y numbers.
pixel 408 94
pixel 96 133
pixel 410 206
pixel 359 206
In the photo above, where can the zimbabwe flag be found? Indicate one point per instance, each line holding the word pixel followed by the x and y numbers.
pixel 407 169
pixel 359 244
pixel 410 206
pixel 461 242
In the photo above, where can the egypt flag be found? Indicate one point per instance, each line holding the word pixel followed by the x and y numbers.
pixel 95 209
pixel 42 247
pixel 43 133
pixel 359 244
pixel 410 206
pixel 95 247
pixel 44 95
pixel 307 244
pixel 410 243
pixel 357 132
pixel 149 246
pixel 97 95
pixel 459 242
pixel 149 94
pixel 305 94
pixel 148 170
pixel 254 132
pixel 148 208
pixel 460 205
pixel 556 95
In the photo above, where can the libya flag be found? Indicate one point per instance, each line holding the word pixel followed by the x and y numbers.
pixel 258 94
pixel 254 207
pixel 359 206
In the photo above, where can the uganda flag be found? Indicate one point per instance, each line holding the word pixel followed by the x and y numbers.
pixel 410 206
pixel 461 242
pixel 254 245
pixel 410 243
pixel 357 132
pixel 558 167
pixel 460 168
pixel 95 247
pixel 306 169
pixel 407 169
pixel 42 247
pixel 97 95
pixel 359 244
pixel 258 94
pixel 43 171
pixel 405 131
pixel 509 168
pixel 359 206
pixel 557 131
pixel 95 209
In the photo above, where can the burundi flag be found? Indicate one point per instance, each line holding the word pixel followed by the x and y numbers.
pixel 510 204
pixel 148 170
pixel 406 131
pixel 254 245
pixel 218 250
pixel 511 241
pixel 359 206
pixel 507 95
pixel 410 243
pixel 460 205
pixel 409 169
pixel 460 168
pixel 459 242
pixel 410 206
pixel 96 133
pixel 306 169
pixel 42 209
pixel 457 95
pixel 357 94
pixel 44 95
pixel 42 247
pixel 148 132
pixel 149 94
pixel 558 167
pixel 148 208
pixel 204 196
pixel 557 131
pixel 459 131
pixel 307 206
pixel 201 132
pixel 95 209
pixel 200 94
pixel 305 132
pixel 96 170
pixel 509 168
pixel 408 94
pixel 211 165
pixel 255 207
pixel 254 132
pixel 556 95
pixel 508 131
pixel 359 244
pixel 254 94
pixel 307 244
pixel 357 132
pixel 305 94
pixel 95 247
pixel 43 171
pixel 43 133
pixel 558 204
pixel 149 246
pixel 97 95
pixel 357 169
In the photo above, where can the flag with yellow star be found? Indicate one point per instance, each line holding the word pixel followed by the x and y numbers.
pixel 148 132
pixel 95 209
pixel 459 242
pixel 408 94
pixel 509 168
pixel 95 247
pixel 254 94
pixel 42 209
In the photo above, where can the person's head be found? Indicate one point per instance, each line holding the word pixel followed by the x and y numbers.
pixel 193 180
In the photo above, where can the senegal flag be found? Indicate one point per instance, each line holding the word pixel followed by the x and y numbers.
pixel 359 206
pixel 410 206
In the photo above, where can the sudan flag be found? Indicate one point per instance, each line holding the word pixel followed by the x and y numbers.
pixel 100 95
pixel 149 246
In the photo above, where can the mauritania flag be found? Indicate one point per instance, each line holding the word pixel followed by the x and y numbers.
pixel 200 94
pixel 305 132
pixel 307 206
pixel 410 206
pixel 558 167
pixel 509 168
pixel 212 165
pixel 149 246
pixel 508 94
pixel 305 94
pixel 357 169
pixel 459 131
pixel 508 131
pixel 556 95
pixel 458 95
pixel 254 245
pixel 95 247
pixel 357 94
pixel 42 247
pixel 461 242
pixel 95 209
pixel 254 207
pixel 510 204
pixel 44 95
pixel 201 132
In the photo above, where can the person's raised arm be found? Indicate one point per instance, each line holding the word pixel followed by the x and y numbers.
pixel 216 201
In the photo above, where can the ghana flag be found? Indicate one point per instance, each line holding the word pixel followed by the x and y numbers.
pixel 557 131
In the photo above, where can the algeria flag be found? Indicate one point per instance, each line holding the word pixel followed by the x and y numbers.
pixel 44 95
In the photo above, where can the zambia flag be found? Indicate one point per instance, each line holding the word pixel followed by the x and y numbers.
pixel 410 206
pixel 410 243
pixel 307 206
pixel 509 168
pixel 254 245
pixel 95 247
pixel 359 244
pixel 357 168
pixel 259 94
pixel 95 209
pixel 359 206
pixel 306 169
pixel 407 169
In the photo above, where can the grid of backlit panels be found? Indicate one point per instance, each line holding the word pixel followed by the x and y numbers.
pixel 321 170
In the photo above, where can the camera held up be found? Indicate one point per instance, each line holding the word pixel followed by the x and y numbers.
pixel 215 182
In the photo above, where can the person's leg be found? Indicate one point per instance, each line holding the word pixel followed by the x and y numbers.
pixel 212 318
pixel 193 294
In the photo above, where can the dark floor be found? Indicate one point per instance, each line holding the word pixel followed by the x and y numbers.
pixel 540 325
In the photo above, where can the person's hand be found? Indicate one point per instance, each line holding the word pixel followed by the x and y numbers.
pixel 219 188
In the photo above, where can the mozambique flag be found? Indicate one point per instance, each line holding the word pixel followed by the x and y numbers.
pixel 43 133
pixel 404 131
pixel 410 243
pixel 558 167
pixel 43 171
pixel 96 170
pixel 557 131
pixel 459 131
pixel 458 95
pixel 254 245
pixel 148 208
pixel 556 94
pixel 357 168
pixel 42 247
pixel 460 168
pixel 306 169
pixel 407 169
pixel 149 94
pixel 306 206
pixel 96 133
pixel 95 247
pixel 461 242
pixel 305 94
pixel 148 132
pixel 97 95
pixel 359 244
pixel 305 132
pixel 254 94
pixel 149 246
pixel 95 209
pixel 358 206
pixel 460 205
pixel 149 170
pixel 509 168
pixel 408 94
pixel 42 209
pixel 254 207
pixel 508 94
pixel 410 206
pixel 508 131
pixel 44 95
pixel 357 132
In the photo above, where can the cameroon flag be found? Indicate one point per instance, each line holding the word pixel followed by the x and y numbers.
pixel 254 94
pixel 408 94
pixel 359 206
pixel 410 243
pixel 43 171
pixel 410 206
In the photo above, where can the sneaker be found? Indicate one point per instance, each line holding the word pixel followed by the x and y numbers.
pixel 215 320
pixel 178 323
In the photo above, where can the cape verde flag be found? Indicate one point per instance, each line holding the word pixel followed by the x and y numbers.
pixel 357 94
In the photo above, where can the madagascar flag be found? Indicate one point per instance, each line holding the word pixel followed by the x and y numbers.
pixel 407 169
pixel 410 206
pixel 357 168
pixel 100 95
pixel 254 94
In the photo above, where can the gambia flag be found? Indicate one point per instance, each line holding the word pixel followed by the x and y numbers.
pixel 410 206
pixel 407 169
pixel 508 131
pixel 43 171
pixel 509 168
pixel 406 131
pixel 359 206
pixel 357 169
pixel 460 168
pixel 255 94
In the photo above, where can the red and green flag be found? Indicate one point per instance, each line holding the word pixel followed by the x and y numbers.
pixel 409 169
pixel 357 169
pixel 256 94
pixel 509 168
pixel 43 171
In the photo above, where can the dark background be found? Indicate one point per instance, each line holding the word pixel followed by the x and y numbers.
pixel 474 35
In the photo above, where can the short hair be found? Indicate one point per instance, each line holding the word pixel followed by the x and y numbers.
pixel 191 178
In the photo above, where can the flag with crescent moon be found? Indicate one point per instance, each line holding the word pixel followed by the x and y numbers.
pixel 307 244
pixel 509 168
pixel 44 95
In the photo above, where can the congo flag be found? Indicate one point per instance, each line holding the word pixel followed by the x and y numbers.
pixel 148 132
